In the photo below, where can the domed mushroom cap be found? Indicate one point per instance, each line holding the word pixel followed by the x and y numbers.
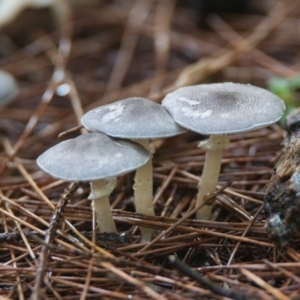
pixel 223 108
pixel 132 118
pixel 91 157
pixel 8 88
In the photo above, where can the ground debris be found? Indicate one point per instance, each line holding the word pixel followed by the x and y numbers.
pixel 111 50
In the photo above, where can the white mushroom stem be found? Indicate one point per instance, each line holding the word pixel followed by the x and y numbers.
pixel 143 190
pixel 211 171
pixel 100 192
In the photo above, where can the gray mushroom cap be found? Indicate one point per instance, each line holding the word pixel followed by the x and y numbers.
pixel 8 88
pixel 132 118
pixel 91 157
pixel 223 108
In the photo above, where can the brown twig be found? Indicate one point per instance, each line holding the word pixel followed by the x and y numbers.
pixel 187 215
pixel 53 226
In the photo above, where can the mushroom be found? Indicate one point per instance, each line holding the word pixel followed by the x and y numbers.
pixel 138 119
pixel 8 88
pixel 9 9
pixel 217 110
pixel 94 157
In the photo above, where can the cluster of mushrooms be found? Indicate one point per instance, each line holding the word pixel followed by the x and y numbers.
pixel 120 134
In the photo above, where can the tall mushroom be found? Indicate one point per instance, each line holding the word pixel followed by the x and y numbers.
pixel 217 110
pixel 137 119
pixel 94 157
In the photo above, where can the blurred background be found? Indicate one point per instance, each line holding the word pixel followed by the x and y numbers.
pixel 61 58
pixel 143 48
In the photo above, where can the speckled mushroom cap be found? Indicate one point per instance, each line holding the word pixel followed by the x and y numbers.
pixel 132 118
pixel 223 108
pixel 91 157
pixel 8 88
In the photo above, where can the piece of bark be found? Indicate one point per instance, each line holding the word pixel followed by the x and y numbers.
pixel 282 200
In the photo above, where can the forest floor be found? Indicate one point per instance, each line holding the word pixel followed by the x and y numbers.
pixel 111 50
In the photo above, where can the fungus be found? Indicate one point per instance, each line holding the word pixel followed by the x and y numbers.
pixel 10 9
pixel 217 110
pixel 138 119
pixel 9 89
pixel 94 157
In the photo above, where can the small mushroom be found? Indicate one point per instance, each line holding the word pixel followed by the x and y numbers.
pixel 94 157
pixel 138 119
pixel 217 110
pixel 9 9
pixel 9 89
